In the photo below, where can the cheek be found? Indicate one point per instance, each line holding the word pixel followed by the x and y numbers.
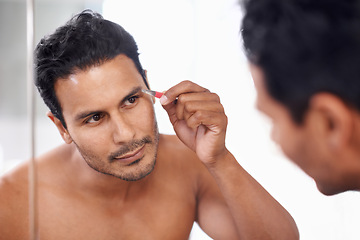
pixel 279 133
pixel 275 136
pixel 295 147
pixel 288 138
pixel 94 140
pixel 143 118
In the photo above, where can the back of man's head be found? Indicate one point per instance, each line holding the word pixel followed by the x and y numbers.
pixel 86 40
pixel 304 47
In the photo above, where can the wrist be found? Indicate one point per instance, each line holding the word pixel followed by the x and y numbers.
pixel 218 160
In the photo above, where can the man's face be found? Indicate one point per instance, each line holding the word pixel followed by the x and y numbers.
pixel 297 141
pixel 109 119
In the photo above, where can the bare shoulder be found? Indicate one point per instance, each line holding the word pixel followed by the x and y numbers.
pixel 171 141
pixel 174 151
pixel 172 146
pixel 14 202
pixel 14 183
pixel 182 161
pixel 14 192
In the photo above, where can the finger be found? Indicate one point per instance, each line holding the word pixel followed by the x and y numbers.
pixel 198 96
pixel 184 87
pixel 192 107
pixel 214 121
pixel 171 111
pixel 190 102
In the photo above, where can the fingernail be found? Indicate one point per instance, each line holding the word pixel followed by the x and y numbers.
pixel 163 100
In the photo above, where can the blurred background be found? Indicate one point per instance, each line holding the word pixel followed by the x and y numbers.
pixel 197 40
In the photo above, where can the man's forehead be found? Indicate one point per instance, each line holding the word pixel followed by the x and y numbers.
pixel 120 68
pixel 115 78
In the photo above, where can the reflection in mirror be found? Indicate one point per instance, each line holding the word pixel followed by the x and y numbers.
pixel 179 39
pixel 49 14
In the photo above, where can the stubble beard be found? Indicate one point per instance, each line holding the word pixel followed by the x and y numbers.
pixel 141 171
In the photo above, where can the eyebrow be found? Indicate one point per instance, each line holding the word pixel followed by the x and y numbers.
pixel 86 114
pixel 133 92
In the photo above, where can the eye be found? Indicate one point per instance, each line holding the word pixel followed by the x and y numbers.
pixel 95 118
pixel 131 100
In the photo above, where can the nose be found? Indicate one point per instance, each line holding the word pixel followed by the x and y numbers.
pixel 123 129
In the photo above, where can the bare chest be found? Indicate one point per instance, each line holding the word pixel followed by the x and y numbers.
pixel 153 216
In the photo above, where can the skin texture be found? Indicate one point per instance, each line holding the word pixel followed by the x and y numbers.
pixel 175 180
pixel 326 145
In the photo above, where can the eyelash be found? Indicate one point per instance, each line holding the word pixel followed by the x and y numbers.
pixel 92 117
pixel 135 99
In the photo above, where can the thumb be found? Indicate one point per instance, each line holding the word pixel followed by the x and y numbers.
pixel 170 108
pixel 164 100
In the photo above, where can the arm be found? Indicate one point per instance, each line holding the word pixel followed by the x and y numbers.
pixel 244 210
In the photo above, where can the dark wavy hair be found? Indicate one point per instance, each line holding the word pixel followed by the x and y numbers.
pixel 86 40
pixel 305 47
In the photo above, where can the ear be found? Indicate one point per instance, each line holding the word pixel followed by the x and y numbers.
pixel 146 79
pixel 62 130
pixel 332 120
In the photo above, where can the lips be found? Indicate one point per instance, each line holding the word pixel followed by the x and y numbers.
pixel 132 156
